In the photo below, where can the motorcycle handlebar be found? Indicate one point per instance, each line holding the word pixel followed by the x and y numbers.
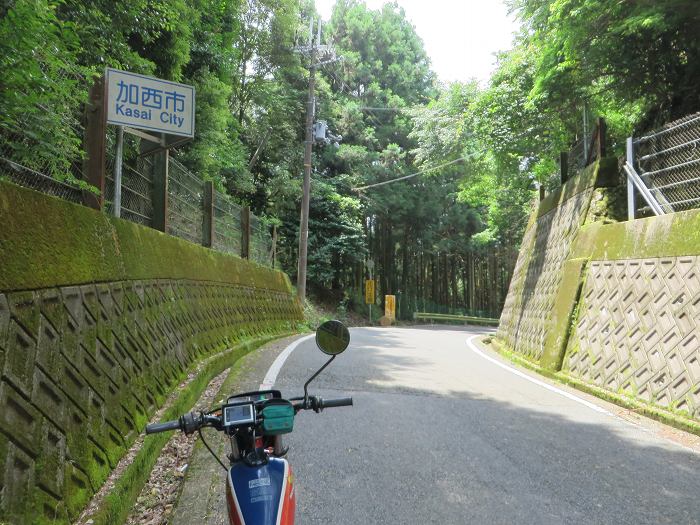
pixel 318 403
pixel 153 428
pixel 338 402
pixel 191 422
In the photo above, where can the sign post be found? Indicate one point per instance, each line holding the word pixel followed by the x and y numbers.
pixel 118 159
pixel 390 306
pixel 138 102
pixel 370 267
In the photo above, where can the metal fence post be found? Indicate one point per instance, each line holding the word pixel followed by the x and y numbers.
pixel 160 190
pixel 118 161
pixel 542 192
pixel 245 232
pixel 631 204
pixel 564 167
pixel 95 144
pixel 208 215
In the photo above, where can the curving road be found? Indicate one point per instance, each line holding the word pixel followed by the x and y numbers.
pixel 444 431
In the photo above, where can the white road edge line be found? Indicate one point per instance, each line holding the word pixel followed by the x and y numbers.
pixel 549 387
pixel 577 399
pixel 276 366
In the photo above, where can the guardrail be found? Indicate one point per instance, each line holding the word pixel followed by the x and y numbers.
pixel 466 319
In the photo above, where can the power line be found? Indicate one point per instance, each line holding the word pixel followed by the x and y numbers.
pixel 369 108
pixel 414 174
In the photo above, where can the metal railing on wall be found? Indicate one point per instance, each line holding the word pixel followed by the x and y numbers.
pixel 663 166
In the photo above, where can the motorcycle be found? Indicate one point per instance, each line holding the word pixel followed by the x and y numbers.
pixel 259 480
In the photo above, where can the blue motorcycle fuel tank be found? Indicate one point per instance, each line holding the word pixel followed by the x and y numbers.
pixel 261 495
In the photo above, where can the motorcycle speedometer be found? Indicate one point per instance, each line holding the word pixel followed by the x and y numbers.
pixel 238 414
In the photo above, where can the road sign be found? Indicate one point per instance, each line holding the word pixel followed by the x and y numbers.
pixel 369 291
pixel 149 103
pixel 390 306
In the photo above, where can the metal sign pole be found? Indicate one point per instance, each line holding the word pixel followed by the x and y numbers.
pixel 117 203
pixel 370 304
pixel 370 267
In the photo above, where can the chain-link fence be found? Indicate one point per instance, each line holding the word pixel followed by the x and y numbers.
pixel 576 158
pixel 39 147
pixel 43 150
pixel 185 203
pixel 668 161
pixel 36 180
pixel 260 241
pixel 137 182
pixel 227 224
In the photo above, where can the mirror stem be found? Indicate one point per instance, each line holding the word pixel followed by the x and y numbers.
pixel 306 385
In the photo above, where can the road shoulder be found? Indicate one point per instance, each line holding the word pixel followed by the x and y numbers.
pixel 630 416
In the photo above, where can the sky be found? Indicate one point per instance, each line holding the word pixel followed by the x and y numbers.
pixel 460 36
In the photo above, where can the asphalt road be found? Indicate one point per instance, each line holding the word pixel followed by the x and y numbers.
pixel 440 433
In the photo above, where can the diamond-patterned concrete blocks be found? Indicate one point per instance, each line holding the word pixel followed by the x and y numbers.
pixel 538 274
pixel 653 350
pixel 81 365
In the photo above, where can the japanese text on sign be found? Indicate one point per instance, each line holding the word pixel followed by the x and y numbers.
pixel 390 306
pixel 149 103
pixel 369 291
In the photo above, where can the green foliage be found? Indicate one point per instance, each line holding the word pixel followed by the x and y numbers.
pixel 42 88
pixel 632 62
pixel 640 55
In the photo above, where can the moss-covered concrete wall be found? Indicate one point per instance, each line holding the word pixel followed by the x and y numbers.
pixel 636 330
pixel 526 319
pixel 622 310
pixel 99 320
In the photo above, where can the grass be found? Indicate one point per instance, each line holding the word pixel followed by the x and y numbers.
pixel 117 505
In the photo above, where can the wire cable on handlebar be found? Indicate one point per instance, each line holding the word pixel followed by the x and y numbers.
pixel 199 431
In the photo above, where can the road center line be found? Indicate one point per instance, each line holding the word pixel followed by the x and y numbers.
pixel 549 387
pixel 276 366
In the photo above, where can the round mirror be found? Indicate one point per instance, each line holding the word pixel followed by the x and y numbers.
pixel 332 337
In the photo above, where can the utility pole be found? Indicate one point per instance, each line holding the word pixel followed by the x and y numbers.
pixel 313 50
pixel 308 147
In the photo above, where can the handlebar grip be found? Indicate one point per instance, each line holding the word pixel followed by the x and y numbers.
pixel 163 427
pixel 338 402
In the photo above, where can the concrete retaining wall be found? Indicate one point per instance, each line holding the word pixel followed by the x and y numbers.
pixel 99 320
pixel 526 319
pixel 625 312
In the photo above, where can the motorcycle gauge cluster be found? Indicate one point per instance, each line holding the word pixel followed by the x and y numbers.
pixel 240 414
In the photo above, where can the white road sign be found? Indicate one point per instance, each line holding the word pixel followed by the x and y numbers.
pixel 149 103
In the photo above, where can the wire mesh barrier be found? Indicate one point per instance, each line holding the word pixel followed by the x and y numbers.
pixel 260 242
pixel 30 178
pixel 668 162
pixel 39 150
pixel 137 189
pixel 577 157
pixel 185 203
pixel 227 225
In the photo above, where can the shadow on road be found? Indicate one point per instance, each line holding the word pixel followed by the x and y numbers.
pixel 410 454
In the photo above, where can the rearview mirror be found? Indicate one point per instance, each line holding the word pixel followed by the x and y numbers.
pixel 332 337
